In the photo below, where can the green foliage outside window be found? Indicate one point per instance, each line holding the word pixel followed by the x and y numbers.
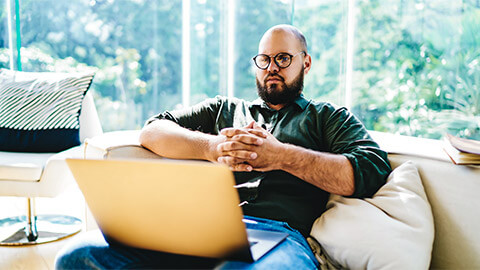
pixel 419 74
pixel 416 64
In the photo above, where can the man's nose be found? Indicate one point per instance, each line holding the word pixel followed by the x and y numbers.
pixel 273 68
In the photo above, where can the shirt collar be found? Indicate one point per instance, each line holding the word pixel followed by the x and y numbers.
pixel 300 101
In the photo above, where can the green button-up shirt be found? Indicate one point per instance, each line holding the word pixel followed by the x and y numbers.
pixel 319 126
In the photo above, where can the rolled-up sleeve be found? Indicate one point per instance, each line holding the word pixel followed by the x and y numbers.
pixel 346 135
pixel 200 117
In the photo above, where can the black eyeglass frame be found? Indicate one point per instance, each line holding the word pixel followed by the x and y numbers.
pixel 275 59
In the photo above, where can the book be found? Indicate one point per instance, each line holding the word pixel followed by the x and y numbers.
pixel 464 145
pixel 462 151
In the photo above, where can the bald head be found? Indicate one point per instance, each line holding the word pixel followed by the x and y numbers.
pixel 280 83
pixel 289 30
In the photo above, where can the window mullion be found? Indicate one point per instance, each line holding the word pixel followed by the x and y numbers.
pixel 186 51
pixel 351 23
pixel 10 34
pixel 231 49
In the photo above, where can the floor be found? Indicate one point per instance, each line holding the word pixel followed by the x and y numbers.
pixel 42 256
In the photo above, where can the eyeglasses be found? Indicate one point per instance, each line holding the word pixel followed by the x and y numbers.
pixel 283 60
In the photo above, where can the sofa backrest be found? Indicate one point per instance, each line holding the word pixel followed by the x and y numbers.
pixel 453 193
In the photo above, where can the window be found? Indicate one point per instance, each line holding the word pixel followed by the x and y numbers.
pixel 402 66
pixel 206 54
pixel 132 45
pixel 5 52
pixel 326 34
pixel 416 67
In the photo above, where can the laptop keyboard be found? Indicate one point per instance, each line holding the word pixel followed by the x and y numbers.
pixel 252 243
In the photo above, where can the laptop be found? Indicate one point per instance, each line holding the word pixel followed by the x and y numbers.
pixel 175 206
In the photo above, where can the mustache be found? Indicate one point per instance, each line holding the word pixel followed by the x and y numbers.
pixel 276 76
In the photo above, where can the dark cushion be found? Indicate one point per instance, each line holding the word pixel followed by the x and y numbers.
pixel 39 111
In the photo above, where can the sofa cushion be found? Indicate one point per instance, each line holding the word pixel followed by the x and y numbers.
pixel 39 111
pixel 392 230
pixel 22 166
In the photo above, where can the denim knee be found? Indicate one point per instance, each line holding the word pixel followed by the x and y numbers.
pixel 69 258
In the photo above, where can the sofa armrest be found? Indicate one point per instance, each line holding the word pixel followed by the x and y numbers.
pixel 117 145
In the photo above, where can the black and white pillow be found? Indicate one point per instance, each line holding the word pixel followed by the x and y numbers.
pixel 39 111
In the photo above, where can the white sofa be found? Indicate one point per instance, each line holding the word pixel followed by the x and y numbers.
pixel 453 193
pixel 452 190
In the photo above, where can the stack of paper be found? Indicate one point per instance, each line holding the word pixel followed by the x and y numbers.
pixel 462 151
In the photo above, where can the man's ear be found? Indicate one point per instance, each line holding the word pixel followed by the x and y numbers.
pixel 307 63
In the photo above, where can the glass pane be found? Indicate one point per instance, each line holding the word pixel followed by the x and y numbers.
pixel 205 38
pixel 326 40
pixel 4 47
pixel 132 44
pixel 252 19
pixel 417 68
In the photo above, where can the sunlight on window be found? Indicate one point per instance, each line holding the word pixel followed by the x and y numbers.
pixel 404 67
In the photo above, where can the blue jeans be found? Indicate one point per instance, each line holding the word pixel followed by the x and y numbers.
pixel 93 252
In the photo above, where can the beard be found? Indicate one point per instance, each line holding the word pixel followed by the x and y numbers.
pixel 280 93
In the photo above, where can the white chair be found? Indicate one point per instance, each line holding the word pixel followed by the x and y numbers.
pixel 33 175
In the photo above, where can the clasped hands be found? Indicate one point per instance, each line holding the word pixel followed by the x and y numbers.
pixel 249 148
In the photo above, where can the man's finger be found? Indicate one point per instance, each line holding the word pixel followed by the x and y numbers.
pixel 258 132
pixel 248 139
pixel 241 167
pixel 256 126
pixel 232 146
pixel 230 132
pixel 230 161
pixel 241 154
pixel 251 125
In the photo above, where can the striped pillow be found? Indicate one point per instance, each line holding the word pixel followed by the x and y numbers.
pixel 39 112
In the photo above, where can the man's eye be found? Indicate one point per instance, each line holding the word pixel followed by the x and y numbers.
pixel 263 60
pixel 282 58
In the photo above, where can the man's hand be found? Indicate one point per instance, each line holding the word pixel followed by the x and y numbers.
pixel 249 148
pixel 238 147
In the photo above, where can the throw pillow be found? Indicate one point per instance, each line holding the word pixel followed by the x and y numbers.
pixel 392 230
pixel 39 111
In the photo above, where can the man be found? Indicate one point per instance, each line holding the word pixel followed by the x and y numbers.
pixel 288 155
